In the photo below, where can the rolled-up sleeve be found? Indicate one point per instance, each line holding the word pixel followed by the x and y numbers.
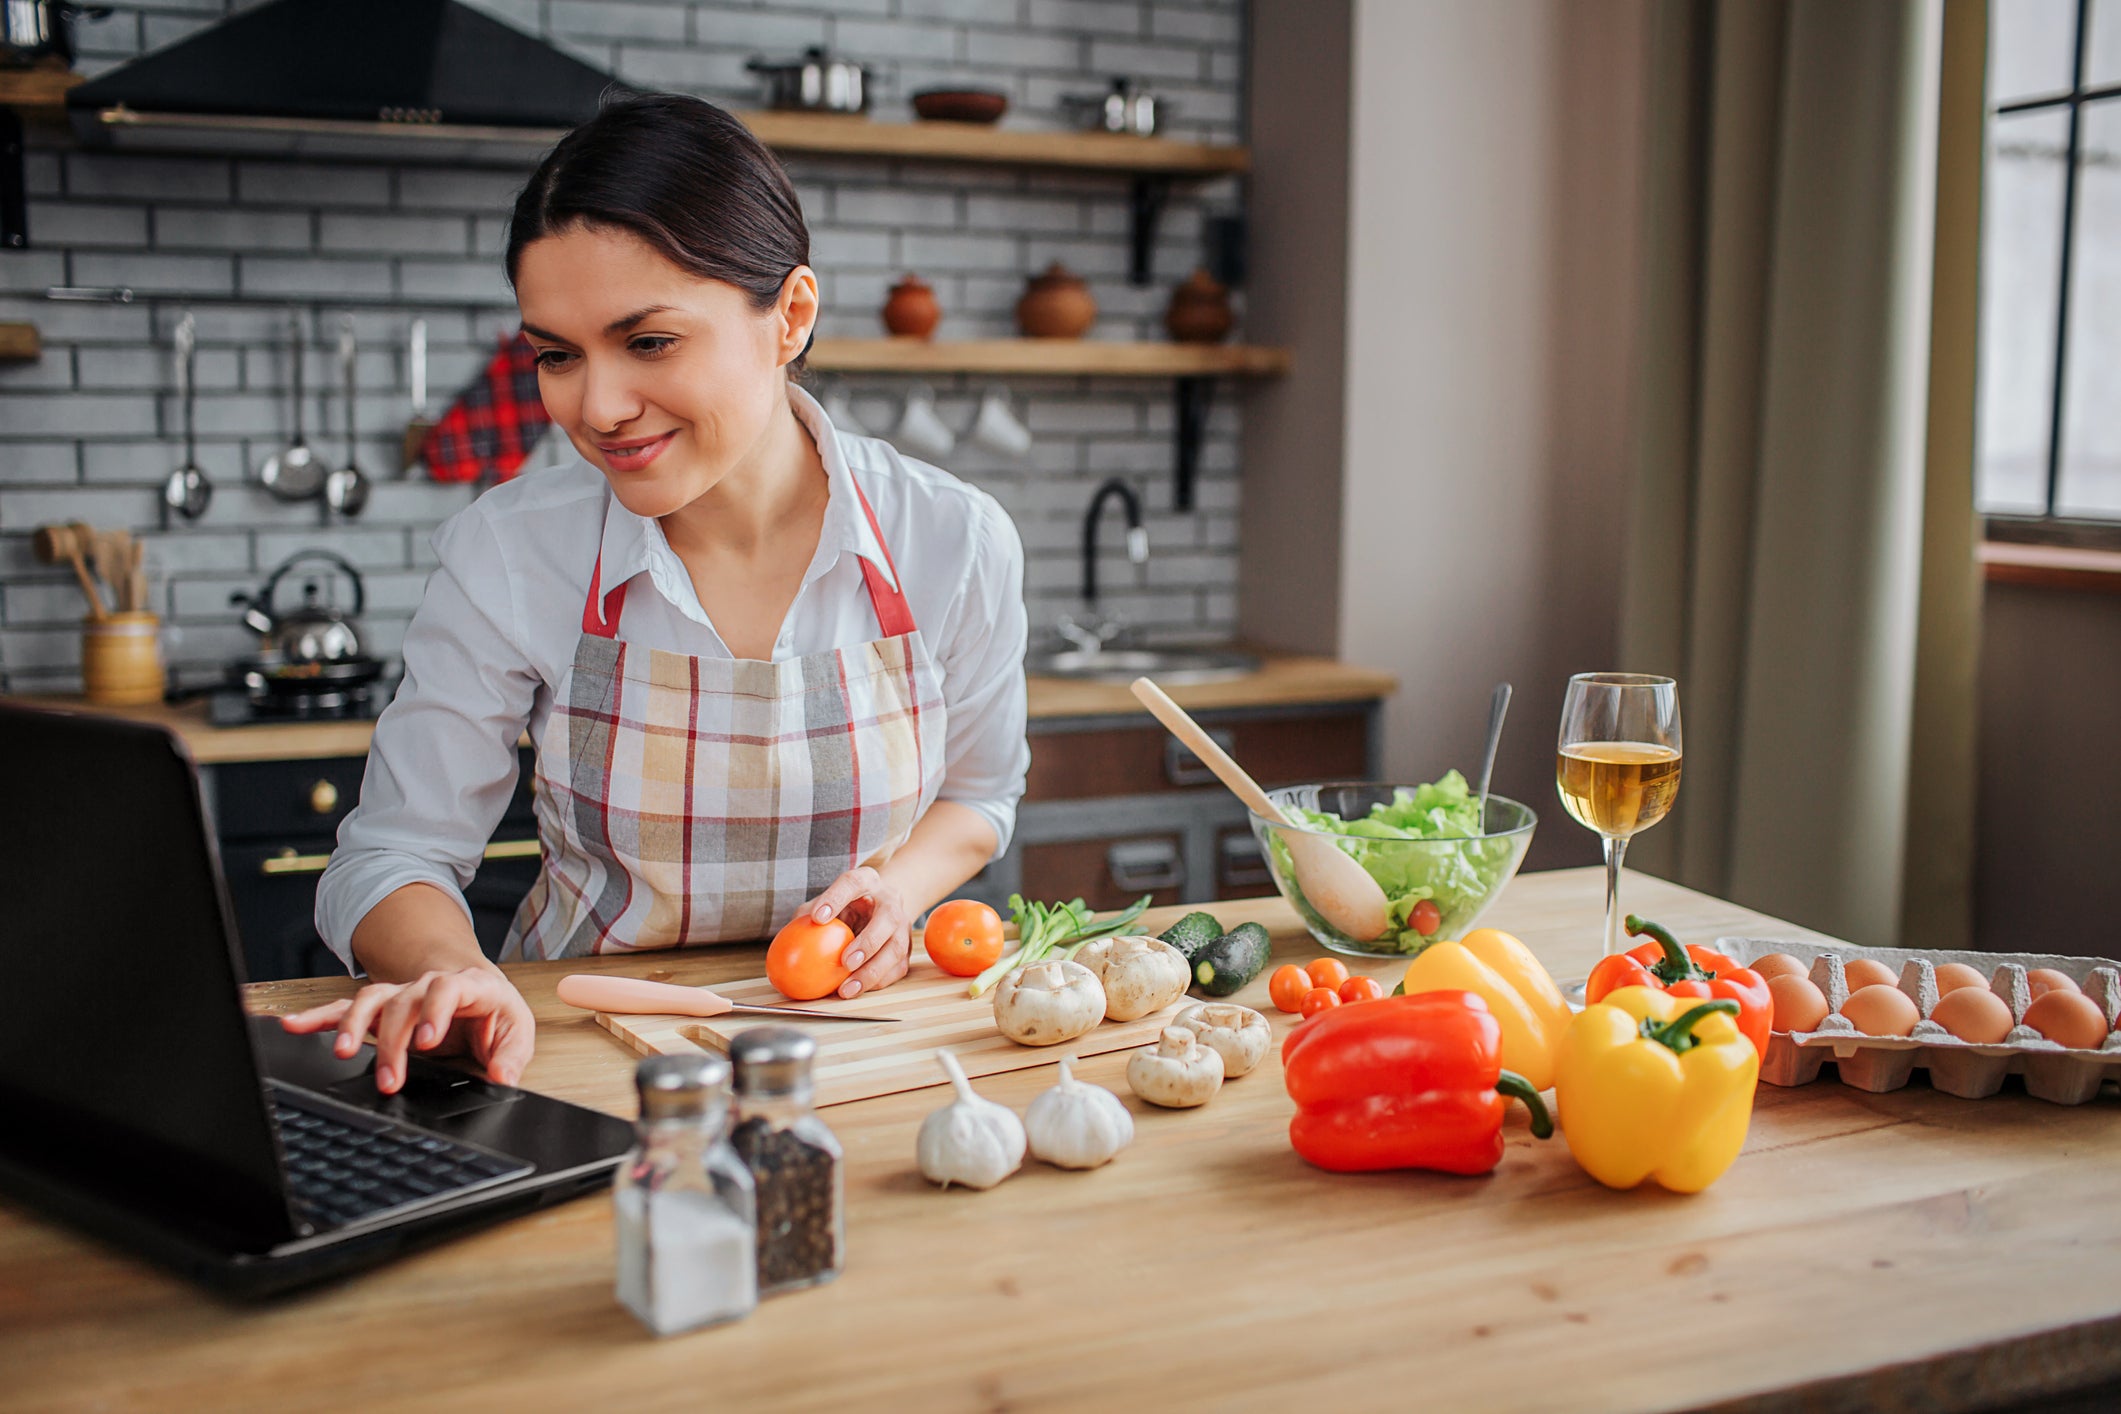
pixel 982 657
pixel 443 763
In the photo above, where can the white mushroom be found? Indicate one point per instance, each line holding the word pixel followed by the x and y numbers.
pixel 1238 1034
pixel 1048 1003
pixel 1077 1126
pixel 1141 974
pixel 1178 1072
pixel 971 1140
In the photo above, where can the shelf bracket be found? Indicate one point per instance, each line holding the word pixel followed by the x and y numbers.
pixel 14 187
pixel 1194 394
pixel 1145 208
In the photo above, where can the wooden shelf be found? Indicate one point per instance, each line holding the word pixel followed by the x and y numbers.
pixel 853 136
pixel 1106 358
pixel 40 90
pixel 2051 566
pixel 19 343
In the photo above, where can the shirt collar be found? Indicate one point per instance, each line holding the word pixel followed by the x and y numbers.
pixel 632 543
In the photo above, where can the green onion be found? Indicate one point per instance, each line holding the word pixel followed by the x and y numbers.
pixel 1045 931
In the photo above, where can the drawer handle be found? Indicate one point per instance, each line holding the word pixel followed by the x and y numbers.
pixel 1144 866
pixel 323 798
pixel 1183 768
pixel 1243 862
pixel 288 862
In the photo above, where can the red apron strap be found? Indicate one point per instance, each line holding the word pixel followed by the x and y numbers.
pixel 893 614
pixel 594 618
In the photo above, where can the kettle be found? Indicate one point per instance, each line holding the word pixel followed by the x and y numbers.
pixel 313 632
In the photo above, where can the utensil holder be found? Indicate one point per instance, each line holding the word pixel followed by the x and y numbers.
pixel 121 659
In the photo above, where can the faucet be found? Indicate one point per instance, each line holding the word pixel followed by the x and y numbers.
pixel 1137 536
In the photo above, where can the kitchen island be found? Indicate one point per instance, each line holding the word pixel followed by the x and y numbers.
pixel 1867 1251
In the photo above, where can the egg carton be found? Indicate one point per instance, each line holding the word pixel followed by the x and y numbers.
pixel 1880 1063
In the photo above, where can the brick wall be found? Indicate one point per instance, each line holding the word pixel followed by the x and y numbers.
pixel 89 431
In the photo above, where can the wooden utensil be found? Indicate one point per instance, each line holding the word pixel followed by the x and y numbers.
pixel 136 574
pixel 111 561
pixel 634 996
pixel 54 543
pixel 1340 889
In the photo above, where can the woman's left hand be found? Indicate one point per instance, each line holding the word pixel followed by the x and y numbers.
pixel 882 921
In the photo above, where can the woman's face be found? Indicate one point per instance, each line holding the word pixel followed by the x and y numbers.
pixel 664 381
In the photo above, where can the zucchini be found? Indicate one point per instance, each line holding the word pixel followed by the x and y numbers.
pixel 1227 964
pixel 1192 933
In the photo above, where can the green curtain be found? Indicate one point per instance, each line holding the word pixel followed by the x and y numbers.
pixel 1801 527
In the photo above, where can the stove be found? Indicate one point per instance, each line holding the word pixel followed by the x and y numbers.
pixel 240 707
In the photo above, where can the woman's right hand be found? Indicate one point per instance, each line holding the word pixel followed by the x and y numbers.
pixel 473 1011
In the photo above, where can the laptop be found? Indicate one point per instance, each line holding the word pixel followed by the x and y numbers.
pixel 138 1100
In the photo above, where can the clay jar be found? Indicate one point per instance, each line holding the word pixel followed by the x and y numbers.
pixel 1199 312
pixel 1056 305
pixel 911 311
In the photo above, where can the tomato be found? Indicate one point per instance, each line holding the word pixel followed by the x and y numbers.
pixel 803 960
pixel 1361 989
pixel 1327 972
pixel 963 937
pixel 1426 917
pixel 1319 999
pixel 1288 985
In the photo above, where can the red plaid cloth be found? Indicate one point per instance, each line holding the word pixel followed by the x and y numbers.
pixel 494 422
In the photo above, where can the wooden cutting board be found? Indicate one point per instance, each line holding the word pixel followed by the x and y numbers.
pixel 855 1062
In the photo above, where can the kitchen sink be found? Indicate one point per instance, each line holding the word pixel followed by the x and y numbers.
pixel 1123 665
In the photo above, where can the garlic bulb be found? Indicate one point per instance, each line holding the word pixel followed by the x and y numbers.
pixel 970 1140
pixel 1077 1126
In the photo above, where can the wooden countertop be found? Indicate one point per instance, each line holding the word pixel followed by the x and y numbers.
pixel 1867 1251
pixel 1281 681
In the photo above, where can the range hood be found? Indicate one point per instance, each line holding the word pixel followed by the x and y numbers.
pixel 346 78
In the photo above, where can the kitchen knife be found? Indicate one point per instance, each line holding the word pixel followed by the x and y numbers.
pixel 633 996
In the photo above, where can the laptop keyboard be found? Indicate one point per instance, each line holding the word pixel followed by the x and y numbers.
pixel 341 1170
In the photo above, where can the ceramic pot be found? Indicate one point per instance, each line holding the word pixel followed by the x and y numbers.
pixel 911 311
pixel 1199 312
pixel 1056 305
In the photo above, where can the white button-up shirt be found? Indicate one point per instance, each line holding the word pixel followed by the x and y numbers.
pixel 497 629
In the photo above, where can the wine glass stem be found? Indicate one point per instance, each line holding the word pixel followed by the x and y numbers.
pixel 1616 846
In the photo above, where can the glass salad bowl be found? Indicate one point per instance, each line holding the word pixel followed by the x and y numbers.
pixel 1438 871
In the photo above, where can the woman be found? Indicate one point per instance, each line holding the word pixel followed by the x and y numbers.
pixel 768 668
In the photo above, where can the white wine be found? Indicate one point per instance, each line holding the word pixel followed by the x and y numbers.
pixel 1617 787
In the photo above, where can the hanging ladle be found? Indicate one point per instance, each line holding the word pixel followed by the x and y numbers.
pixel 346 490
pixel 187 491
pixel 293 473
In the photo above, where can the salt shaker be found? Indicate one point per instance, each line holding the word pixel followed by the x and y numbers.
pixel 795 1162
pixel 686 1218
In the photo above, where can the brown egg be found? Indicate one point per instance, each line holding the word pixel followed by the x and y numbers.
pixel 1954 975
pixel 2068 1018
pixel 1778 964
pixel 1799 1006
pixel 1865 972
pixel 1880 1010
pixel 2046 979
pixel 1973 1014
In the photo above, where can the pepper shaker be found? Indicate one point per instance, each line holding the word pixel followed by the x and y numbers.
pixel 796 1163
pixel 686 1216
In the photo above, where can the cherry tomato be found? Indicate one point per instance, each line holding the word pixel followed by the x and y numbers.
pixel 1319 999
pixel 1288 985
pixel 1327 972
pixel 1426 917
pixel 963 937
pixel 803 960
pixel 1361 989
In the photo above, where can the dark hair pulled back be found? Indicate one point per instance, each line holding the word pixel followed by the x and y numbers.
pixel 684 176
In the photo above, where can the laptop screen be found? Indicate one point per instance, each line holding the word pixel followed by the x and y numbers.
pixel 124 1057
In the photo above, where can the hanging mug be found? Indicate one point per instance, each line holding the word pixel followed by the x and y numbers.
pixel 995 426
pixel 921 430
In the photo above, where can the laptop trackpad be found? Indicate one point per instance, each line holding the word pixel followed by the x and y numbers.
pixel 431 1092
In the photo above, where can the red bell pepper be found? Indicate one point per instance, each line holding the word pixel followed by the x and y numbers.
pixel 1665 966
pixel 1403 1082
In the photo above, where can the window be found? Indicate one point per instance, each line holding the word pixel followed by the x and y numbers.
pixel 2050 413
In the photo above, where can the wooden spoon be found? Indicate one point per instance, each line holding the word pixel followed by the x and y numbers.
pixel 1340 889
pixel 63 542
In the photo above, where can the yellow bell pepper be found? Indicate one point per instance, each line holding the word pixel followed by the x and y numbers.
pixel 1503 973
pixel 1656 1086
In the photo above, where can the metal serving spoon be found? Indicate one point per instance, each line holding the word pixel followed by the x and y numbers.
pixel 187 491
pixel 346 490
pixel 293 473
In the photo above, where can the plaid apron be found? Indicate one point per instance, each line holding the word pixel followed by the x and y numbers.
pixel 688 800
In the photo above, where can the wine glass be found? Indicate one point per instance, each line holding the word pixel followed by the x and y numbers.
pixel 1617 767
